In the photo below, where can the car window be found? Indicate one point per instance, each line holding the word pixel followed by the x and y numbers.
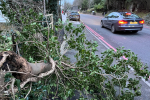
pixel 129 15
pixel 115 15
pixel 74 13
pixel 110 15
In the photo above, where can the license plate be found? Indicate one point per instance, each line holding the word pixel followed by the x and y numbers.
pixel 133 23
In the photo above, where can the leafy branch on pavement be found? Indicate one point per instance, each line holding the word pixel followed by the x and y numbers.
pixel 104 77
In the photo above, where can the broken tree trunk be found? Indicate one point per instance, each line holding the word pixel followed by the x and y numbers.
pixel 21 69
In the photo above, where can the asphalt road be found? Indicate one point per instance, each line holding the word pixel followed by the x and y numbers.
pixel 139 42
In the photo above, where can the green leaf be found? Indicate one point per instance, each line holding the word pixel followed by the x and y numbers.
pixel 17 83
pixel 73 69
pixel 56 58
pixel 45 61
pixel 92 73
pixel 7 77
pixel 9 38
pixel 33 23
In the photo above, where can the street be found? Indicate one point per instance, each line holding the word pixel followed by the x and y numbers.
pixel 136 42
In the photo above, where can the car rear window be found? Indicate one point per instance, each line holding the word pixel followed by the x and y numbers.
pixel 130 15
pixel 74 13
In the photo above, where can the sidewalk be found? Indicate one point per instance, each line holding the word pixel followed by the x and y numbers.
pixel 3 21
pixel 145 89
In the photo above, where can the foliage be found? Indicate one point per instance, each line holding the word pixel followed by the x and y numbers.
pixel 90 10
pixel 97 1
pixel 95 75
pixel 84 5
pixel 67 6
pixel 98 7
pixel 5 42
pixel 147 19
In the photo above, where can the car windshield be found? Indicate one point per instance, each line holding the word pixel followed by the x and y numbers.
pixel 129 15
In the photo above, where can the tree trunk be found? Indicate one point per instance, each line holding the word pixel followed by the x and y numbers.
pixel 107 5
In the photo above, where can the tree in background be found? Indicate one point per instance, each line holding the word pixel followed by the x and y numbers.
pixel 97 1
pixel 85 4
pixel 100 6
pixel 77 2
pixel 67 5
pixel 91 3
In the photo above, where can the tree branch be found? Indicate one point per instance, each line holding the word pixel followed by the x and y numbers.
pixel 5 55
pixel 49 72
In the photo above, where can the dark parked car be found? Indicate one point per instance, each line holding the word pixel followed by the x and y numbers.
pixel 74 16
pixel 123 21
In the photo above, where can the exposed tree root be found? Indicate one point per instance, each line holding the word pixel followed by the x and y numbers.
pixel 13 62
pixel 26 72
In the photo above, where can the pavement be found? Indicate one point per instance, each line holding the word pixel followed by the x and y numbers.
pixel 91 35
pixel 2 18
pixel 3 21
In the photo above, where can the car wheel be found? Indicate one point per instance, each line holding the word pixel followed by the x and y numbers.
pixel 102 25
pixel 113 30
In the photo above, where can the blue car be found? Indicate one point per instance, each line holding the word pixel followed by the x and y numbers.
pixel 122 21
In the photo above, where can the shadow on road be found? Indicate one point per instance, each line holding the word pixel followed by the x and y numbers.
pixel 127 33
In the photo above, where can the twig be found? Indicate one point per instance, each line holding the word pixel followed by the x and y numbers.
pixel 29 90
pixel 18 49
pixel 21 73
pixel 57 87
pixel 32 79
pixel 8 67
pixel 3 87
pixel 12 88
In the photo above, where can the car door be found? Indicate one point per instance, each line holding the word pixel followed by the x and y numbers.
pixel 107 20
pixel 111 19
pixel 104 21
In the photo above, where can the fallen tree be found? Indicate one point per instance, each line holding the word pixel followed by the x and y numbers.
pixel 40 69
